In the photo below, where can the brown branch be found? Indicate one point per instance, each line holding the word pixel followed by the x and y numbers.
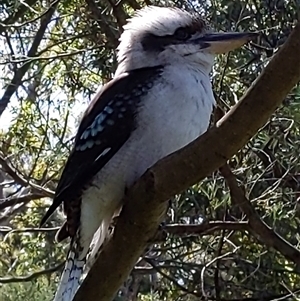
pixel 24 198
pixel 144 270
pixel 31 276
pixel 20 72
pixel 206 228
pixel 12 212
pixel 15 175
pixel 260 229
pixel 8 231
pixel 215 259
pixel 118 13
pixel 217 268
pixel 40 58
pixel 146 200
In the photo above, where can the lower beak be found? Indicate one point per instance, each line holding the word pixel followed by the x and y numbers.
pixel 218 43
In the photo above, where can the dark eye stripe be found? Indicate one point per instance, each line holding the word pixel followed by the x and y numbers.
pixel 182 33
pixel 154 43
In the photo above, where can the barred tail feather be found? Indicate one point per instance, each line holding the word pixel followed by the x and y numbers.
pixel 78 263
pixel 71 276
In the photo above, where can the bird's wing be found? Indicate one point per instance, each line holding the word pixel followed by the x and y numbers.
pixel 105 127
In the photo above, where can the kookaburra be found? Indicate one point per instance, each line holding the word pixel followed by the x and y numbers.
pixel 159 100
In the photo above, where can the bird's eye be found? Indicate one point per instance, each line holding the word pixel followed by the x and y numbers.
pixel 181 33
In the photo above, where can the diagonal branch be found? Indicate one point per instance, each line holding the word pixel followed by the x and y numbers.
pixel 17 15
pixel 259 228
pixel 118 13
pixel 20 72
pixel 146 200
pixel 31 276
pixel 18 200
pixel 22 181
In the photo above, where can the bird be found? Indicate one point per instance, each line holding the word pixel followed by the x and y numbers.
pixel 159 100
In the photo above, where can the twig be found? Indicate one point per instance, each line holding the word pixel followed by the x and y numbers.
pixel 217 269
pixel 31 276
pixel 8 231
pixel 171 279
pixel 12 212
pixel 19 25
pixel 24 198
pixel 209 264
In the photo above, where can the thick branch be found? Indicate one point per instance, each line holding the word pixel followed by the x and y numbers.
pixel 146 201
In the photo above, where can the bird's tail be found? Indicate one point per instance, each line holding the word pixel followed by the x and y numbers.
pixel 79 262
pixel 71 275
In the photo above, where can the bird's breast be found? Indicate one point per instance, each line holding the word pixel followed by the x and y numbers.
pixel 175 112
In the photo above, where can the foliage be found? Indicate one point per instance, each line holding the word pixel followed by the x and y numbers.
pixel 54 55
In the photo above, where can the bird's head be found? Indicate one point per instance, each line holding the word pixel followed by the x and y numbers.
pixel 164 35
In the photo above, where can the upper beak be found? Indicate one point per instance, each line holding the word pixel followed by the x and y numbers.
pixel 218 43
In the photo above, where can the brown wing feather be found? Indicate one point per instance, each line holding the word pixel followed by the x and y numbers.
pixel 96 135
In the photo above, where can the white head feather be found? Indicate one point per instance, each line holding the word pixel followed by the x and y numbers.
pixel 159 21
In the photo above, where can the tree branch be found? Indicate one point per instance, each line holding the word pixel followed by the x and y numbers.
pixel 17 15
pixel 206 228
pixel 146 200
pixel 118 13
pixel 8 230
pixel 21 199
pixel 259 228
pixel 31 276
pixel 20 72
pixel 22 181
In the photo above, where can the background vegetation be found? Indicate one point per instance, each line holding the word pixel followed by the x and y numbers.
pixel 53 56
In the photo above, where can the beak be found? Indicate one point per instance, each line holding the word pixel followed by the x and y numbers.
pixel 218 43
